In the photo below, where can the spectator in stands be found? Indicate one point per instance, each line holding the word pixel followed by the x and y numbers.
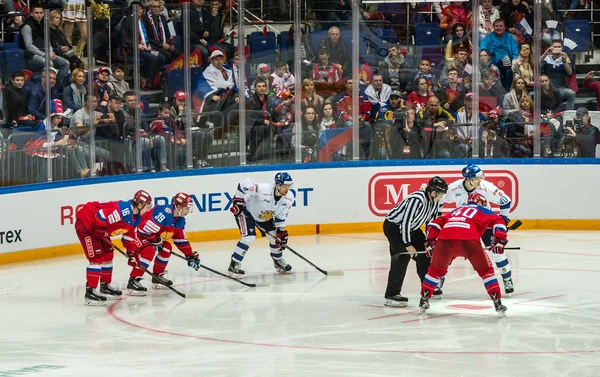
pixel 36 99
pixel 332 10
pixel 337 49
pixel 344 109
pixel 419 98
pixel 432 122
pixel 310 130
pixel 584 132
pixel 378 93
pixel 159 36
pixel 260 108
pixel 503 48
pixel 522 66
pixel 512 11
pixel 548 14
pixel 16 6
pixel 75 93
pixel 112 120
pixel 550 98
pixel 101 86
pixel 82 120
pixel 462 67
pixel 394 69
pixel 485 63
pixel 490 91
pixel 458 39
pixel 214 20
pixel 451 95
pixel 310 98
pixel 453 14
pixel 307 51
pixel 284 111
pixel 328 118
pixel 74 12
pixel 262 71
pixel 217 88
pixel 152 61
pixel 557 65
pixel 236 75
pixel 512 99
pixel 281 81
pixel 590 83
pixel 327 76
pixel 59 42
pixel 491 145
pixel 14 99
pixel 130 113
pixel 487 15
pixel 405 140
pixel 464 129
pixel 117 84
pixel 424 72
pixel 32 41
pixel 198 32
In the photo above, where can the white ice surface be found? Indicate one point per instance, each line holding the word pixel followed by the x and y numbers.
pixel 306 324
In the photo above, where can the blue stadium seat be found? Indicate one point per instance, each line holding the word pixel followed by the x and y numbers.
pixel 263 49
pixel 283 40
pixel 2 67
pixel 175 81
pixel 14 60
pixel 6 46
pixel 196 73
pixel 316 38
pixel 178 43
pixel 428 34
pixel 578 31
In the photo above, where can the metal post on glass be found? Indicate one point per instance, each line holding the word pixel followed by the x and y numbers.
pixel 136 87
pixel 187 78
pixel 298 81
pixel 242 70
pixel 46 78
pixel 355 84
pixel 91 111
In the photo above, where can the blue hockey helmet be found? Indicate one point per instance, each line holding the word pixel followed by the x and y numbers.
pixel 472 171
pixel 283 178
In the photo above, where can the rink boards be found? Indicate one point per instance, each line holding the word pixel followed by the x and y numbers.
pixel 37 220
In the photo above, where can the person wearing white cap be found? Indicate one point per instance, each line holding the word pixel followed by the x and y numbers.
pixel 217 88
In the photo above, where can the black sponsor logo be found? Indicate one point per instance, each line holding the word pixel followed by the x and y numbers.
pixel 10 236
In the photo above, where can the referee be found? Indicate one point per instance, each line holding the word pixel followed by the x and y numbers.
pixel 402 227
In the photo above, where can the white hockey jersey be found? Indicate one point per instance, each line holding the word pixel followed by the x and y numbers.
pixel 457 193
pixel 260 202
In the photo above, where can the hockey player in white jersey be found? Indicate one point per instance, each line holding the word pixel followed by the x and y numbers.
pixel 266 205
pixel 458 192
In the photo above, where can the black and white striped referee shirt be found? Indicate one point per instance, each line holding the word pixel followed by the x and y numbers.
pixel 412 212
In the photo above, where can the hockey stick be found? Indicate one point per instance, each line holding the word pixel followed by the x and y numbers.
pixel 222 274
pixel 157 277
pixel 425 252
pixel 324 272
pixel 516 225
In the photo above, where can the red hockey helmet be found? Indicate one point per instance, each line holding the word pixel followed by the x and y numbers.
pixel 142 197
pixel 477 198
pixel 183 200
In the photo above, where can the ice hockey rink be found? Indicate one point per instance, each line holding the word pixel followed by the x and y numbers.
pixel 307 324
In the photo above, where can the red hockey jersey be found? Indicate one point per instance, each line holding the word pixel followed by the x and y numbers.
pixel 466 223
pixel 160 221
pixel 112 218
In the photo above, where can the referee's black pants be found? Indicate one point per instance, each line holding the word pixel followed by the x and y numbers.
pixel 401 258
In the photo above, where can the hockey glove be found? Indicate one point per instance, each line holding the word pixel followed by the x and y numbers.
pixel 134 259
pixel 157 241
pixel 282 238
pixel 506 219
pixel 193 260
pixel 99 233
pixel 429 247
pixel 498 245
pixel 237 206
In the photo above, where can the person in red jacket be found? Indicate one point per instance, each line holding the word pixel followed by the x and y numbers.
pixel 594 86
pixel 458 234
pixel 95 223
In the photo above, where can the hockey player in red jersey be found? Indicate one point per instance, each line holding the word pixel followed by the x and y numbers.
pixel 95 223
pixel 458 234
pixel 159 225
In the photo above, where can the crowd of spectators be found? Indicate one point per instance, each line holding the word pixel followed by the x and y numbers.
pixel 410 105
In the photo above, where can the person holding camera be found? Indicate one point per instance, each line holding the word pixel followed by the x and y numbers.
pixel 583 133
pixel 405 141
pixel 556 64
pixel 492 146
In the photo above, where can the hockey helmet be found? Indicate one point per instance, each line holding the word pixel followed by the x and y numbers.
pixel 183 200
pixel 437 184
pixel 283 178
pixel 142 197
pixel 477 198
pixel 472 171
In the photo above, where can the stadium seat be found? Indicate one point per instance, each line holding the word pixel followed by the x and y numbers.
pixel 196 72
pixel 578 31
pixel 14 60
pixel 316 38
pixel 263 49
pixel 283 40
pixel 2 67
pixel 175 81
pixel 7 46
pixel 178 43
pixel 428 34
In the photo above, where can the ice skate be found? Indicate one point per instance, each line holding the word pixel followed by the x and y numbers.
pixel 92 298
pixel 438 293
pixel 109 292
pixel 397 301
pixel 508 287
pixel 135 288
pixel 235 270
pixel 500 309
pixel 281 266
pixel 424 303
pixel 159 283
